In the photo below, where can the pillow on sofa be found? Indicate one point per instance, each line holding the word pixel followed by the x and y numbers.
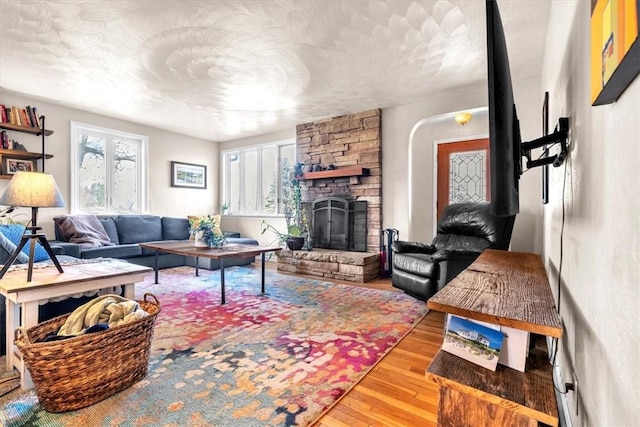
pixel 7 248
pixel 85 230
pixel 14 232
pixel 193 218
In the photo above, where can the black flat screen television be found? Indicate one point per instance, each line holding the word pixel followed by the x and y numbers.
pixel 504 130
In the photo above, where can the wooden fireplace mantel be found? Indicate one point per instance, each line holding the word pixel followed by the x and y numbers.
pixel 351 171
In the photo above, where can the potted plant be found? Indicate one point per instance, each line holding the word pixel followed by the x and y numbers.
pixel 207 232
pixel 291 202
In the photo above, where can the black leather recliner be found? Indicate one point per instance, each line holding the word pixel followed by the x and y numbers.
pixel 464 231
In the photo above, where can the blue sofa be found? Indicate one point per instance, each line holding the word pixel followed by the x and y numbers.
pixel 125 232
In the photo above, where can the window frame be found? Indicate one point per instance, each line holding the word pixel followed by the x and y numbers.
pixel 241 153
pixel 142 179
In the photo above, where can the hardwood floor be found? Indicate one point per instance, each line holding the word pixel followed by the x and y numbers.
pixel 395 392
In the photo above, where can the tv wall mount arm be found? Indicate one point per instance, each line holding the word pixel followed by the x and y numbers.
pixel 559 136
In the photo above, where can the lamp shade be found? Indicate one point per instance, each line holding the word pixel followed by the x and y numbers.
pixel 34 190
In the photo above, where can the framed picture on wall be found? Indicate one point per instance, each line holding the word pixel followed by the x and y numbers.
pixel 615 47
pixel 11 166
pixel 188 175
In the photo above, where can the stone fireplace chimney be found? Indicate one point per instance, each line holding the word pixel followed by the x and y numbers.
pixel 352 146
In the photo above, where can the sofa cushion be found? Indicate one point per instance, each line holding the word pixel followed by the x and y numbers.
pixel 7 248
pixel 138 228
pixel 110 228
pixel 119 251
pixel 85 230
pixel 175 228
pixel 14 233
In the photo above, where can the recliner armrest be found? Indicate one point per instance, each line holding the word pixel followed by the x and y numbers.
pixel 448 255
pixel 412 247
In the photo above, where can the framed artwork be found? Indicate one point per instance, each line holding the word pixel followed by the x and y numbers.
pixel 188 175
pixel 545 132
pixel 615 47
pixel 12 166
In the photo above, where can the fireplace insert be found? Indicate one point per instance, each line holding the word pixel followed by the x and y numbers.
pixel 339 223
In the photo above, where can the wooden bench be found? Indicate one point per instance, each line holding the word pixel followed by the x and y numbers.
pixel 508 289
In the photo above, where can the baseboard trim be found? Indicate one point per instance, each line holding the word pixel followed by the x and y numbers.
pixel 564 415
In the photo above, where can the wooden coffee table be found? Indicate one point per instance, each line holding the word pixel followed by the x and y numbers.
pixel 22 297
pixel 229 250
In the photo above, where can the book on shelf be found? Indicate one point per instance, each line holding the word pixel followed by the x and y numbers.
pixel 26 117
pixel 24 120
pixel 15 116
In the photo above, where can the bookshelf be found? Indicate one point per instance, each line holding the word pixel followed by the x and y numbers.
pixel 20 154
pixel 25 129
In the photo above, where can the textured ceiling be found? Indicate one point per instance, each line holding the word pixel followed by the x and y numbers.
pixel 222 70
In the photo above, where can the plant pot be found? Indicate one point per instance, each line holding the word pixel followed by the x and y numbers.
pixel 295 243
pixel 199 240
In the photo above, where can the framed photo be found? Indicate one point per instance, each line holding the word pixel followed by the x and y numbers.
pixel 12 166
pixel 188 175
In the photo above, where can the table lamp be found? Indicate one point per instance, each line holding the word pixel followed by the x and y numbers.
pixel 32 190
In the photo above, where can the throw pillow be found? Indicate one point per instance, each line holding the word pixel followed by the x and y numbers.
pixel 193 218
pixel 85 230
pixel 7 248
pixel 14 233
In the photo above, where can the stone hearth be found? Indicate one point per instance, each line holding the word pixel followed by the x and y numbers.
pixel 350 266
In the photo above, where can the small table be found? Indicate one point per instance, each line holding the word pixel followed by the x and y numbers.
pixel 47 283
pixel 508 289
pixel 229 250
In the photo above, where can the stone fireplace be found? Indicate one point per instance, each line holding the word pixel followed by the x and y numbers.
pixel 348 193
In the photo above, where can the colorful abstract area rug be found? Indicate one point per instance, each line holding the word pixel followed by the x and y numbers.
pixel 280 359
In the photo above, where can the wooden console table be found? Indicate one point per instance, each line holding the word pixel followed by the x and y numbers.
pixel 508 289
pixel 22 297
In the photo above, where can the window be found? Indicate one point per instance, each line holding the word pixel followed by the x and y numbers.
pixel 108 170
pixel 252 183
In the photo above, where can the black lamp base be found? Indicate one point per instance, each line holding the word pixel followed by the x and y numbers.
pixel 31 238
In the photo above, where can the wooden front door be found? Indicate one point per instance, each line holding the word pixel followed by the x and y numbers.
pixel 463 172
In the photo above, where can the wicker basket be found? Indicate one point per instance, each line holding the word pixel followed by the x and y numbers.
pixel 77 372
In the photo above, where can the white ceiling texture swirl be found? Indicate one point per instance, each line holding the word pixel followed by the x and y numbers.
pixel 222 70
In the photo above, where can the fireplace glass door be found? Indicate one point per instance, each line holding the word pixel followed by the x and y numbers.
pixel 330 221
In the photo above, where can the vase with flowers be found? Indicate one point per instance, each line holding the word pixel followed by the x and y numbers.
pixel 206 231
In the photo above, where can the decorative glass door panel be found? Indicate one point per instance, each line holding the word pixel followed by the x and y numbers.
pixel 463 172
pixel 467 176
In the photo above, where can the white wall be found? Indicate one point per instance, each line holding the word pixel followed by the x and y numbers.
pixel 599 253
pixel 163 147
pixel 424 118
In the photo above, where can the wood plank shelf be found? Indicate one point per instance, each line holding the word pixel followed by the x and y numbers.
pixel 350 171
pixel 23 155
pixel 509 289
pixel 528 394
pixel 26 129
pixel 504 288
pixel 20 155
